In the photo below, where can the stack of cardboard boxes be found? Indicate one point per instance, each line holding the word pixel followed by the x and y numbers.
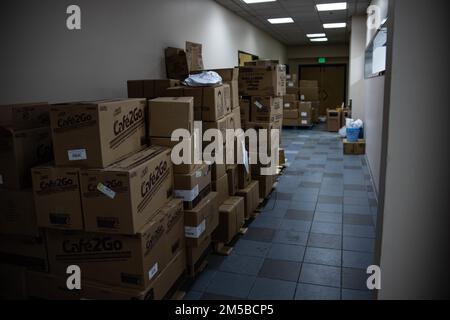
pixel 301 105
pixel 262 85
pixel 25 140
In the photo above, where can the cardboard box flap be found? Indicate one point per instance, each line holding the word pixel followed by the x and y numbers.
pixel 138 159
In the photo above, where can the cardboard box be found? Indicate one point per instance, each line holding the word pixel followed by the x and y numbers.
pixel 57 197
pixel 182 168
pixel 135 89
pixel 231 220
pixel 262 81
pixel 122 260
pixel 233 179
pixel 244 177
pixel 266 109
pixel 18 215
pixel 214 105
pixel 176 64
pixel 235 119
pixel 231 77
pixel 291 122
pixel 265 185
pixel 305 109
pixel 195 255
pixel 293 91
pixel 168 114
pixel 47 286
pixel 262 139
pixel 221 187
pixel 197 94
pixel 355 148
pixel 290 100
pixel 291 114
pixel 251 198
pixel 221 125
pixel 218 170
pixel 309 93
pixel 333 120
pixel 24 251
pixel 161 87
pixel 97 134
pixel 201 221
pixel 194 186
pixel 194 56
pixel 308 84
pixel 20 150
pixel 227 98
pixel 13 284
pixel 245 111
pixel 25 116
pixel 124 196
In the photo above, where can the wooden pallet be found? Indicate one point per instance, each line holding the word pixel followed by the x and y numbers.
pixel 225 249
pixel 176 292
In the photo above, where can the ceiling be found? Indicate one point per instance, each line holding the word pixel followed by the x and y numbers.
pixel 306 18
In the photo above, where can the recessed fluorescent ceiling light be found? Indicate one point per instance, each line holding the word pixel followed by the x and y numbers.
pixel 280 20
pixel 332 6
pixel 334 25
pixel 258 1
pixel 319 39
pixel 315 35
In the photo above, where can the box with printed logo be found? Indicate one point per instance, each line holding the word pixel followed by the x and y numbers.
pixel 124 196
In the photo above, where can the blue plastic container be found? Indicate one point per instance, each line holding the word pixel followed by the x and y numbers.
pixel 352 134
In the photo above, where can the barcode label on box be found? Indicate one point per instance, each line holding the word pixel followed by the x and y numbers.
pixel 153 271
pixel 302 97
pixel 106 191
pixel 77 155
pixel 287 105
pixel 187 195
pixel 195 232
pixel 290 84
pixel 258 104
pixel 304 121
pixel 304 114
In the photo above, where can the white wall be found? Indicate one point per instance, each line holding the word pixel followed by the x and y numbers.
pixel 415 230
pixel 120 40
pixel 356 66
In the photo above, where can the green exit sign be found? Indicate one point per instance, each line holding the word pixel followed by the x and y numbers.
pixel 322 60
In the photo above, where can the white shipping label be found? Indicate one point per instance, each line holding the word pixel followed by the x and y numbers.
pixel 77 155
pixel 287 105
pixel 304 114
pixel 290 84
pixel 198 173
pixel 153 271
pixel 1 179
pixel 187 195
pixel 195 232
pixel 258 105
pixel 302 97
pixel 304 121
pixel 106 191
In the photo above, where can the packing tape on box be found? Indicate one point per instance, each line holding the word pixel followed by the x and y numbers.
pixel 153 270
pixel 77 155
pixel 195 232
pixel 187 195
pixel 258 104
pixel 106 191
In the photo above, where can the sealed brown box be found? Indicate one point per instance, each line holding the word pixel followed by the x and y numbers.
pixel 266 109
pixel 163 86
pixel 231 220
pixel 193 186
pixel 214 104
pixel 245 111
pixel 183 168
pixel 201 221
pixel 333 120
pixel 262 81
pixel 97 134
pixel 291 114
pixel 355 148
pixel 227 98
pixel 251 198
pixel 168 114
pixel 233 179
pixel 263 139
pixel 221 187
pixel 244 177
pixel 124 196
pixel 20 150
pixel 221 125
pixel 25 116
pixel 123 260
pixel 135 89
pixel 234 119
pixel 17 214
pixel 308 83
pixel 305 109
pixel 265 185
pixel 176 63
pixel 47 286
pixel 290 101
pixel 197 94
pixel 24 251
pixel 231 77
pixel 57 197
pixel 309 93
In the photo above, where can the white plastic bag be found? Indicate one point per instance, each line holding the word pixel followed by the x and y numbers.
pixel 343 132
pixel 204 79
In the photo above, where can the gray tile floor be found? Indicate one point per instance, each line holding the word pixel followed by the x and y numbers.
pixel 314 238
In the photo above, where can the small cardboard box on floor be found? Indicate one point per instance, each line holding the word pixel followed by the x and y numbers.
pixel 52 287
pixel 231 219
pixel 355 148
pixel 97 134
pixel 124 196
pixel 193 186
pixel 251 198
pixel 57 197
pixel 20 150
pixel 201 221
pixel 122 260
pixel 23 116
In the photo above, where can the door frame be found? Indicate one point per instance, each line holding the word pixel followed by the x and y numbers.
pixel 327 65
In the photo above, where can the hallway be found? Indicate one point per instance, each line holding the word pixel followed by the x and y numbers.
pixel 314 238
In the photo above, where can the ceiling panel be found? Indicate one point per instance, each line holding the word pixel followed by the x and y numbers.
pixel 306 18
